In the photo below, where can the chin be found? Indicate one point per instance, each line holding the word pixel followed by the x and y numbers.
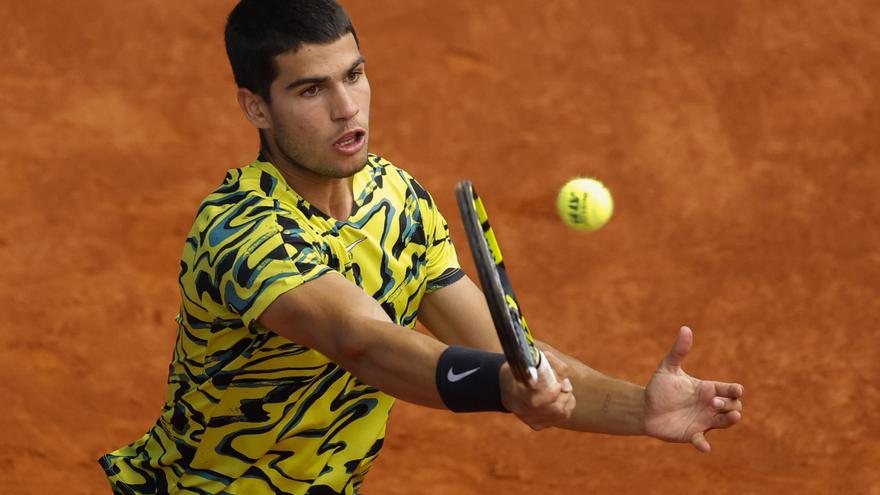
pixel 354 164
pixel 343 170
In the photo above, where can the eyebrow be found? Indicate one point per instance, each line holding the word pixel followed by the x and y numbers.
pixel 319 80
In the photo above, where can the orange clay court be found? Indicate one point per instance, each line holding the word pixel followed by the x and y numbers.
pixel 740 140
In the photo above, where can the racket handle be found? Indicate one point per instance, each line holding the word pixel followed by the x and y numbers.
pixel 543 375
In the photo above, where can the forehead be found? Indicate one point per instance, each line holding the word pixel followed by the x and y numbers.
pixel 312 60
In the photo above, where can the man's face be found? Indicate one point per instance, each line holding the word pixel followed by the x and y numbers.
pixel 320 108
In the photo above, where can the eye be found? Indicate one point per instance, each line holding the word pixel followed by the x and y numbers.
pixel 353 76
pixel 311 91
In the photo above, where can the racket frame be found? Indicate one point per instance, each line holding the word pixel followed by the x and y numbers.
pixel 510 325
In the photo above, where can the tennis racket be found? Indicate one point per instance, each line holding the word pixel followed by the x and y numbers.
pixel 526 361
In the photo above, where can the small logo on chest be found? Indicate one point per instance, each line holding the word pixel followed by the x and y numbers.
pixel 353 244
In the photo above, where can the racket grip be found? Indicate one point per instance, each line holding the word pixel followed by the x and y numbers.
pixel 543 375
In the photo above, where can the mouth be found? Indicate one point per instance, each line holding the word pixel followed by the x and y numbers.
pixel 351 142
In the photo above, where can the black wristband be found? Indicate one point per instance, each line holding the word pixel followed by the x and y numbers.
pixel 468 380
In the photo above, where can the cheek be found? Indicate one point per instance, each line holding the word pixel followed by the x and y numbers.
pixel 296 124
pixel 363 96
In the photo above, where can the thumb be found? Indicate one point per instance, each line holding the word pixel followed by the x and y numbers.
pixel 680 349
pixel 700 443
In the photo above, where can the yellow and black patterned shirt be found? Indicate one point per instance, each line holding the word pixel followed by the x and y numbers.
pixel 248 411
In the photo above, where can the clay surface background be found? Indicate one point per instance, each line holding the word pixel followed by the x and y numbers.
pixel 740 139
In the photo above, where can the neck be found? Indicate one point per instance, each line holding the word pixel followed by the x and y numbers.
pixel 333 196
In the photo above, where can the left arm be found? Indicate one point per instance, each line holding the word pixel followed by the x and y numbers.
pixel 674 406
pixel 605 404
pixel 458 315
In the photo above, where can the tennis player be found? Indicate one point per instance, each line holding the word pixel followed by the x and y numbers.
pixel 301 281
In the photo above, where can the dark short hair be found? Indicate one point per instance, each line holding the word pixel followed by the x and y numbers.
pixel 259 30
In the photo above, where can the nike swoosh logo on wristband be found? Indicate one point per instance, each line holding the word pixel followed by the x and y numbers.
pixel 454 377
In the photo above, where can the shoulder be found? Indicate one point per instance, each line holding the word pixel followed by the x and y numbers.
pixel 247 205
pixel 244 192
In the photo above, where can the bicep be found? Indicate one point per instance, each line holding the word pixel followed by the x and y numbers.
pixel 458 315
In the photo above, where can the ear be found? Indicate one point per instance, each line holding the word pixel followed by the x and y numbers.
pixel 254 108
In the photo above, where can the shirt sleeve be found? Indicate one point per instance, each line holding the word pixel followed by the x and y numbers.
pixel 442 262
pixel 275 257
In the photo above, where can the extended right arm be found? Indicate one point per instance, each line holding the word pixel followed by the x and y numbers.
pixel 336 318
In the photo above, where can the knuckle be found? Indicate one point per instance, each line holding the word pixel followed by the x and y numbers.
pixel 567 409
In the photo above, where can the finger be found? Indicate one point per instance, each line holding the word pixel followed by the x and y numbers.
pixel 542 398
pixel 680 349
pixel 558 365
pixel 567 386
pixel 562 408
pixel 570 405
pixel 734 390
pixel 723 404
pixel 727 420
pixel 700 443
pixel 550 415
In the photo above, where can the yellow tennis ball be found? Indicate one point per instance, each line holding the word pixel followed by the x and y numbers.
pixel 585 204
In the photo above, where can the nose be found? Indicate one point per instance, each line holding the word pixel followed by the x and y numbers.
pixel 344 105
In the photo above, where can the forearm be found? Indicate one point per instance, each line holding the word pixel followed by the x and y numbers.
pixel 400 362
pixel 604 404
pixel 336 318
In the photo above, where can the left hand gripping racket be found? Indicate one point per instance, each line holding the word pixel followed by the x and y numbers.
pixel 525 360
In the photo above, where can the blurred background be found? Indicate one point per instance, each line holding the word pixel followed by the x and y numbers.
pixel 740 139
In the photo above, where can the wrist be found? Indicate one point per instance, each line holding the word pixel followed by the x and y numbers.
pixel 468 380
pixel 505 379
pixel 642 419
